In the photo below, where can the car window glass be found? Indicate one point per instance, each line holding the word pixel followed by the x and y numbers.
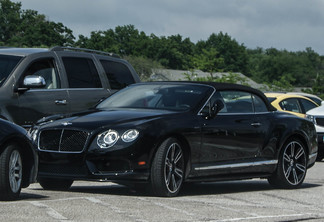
pixel 155 96
pixel 307 105
pixel 118 74
pixel 316 100
pixel 81 73
pixel 290 105
pixel 46 69
pixel 259 105
pixel 216 96
pixel 7 64
pixel 237 101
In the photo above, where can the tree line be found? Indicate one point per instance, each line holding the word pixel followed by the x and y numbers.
pixel 219 53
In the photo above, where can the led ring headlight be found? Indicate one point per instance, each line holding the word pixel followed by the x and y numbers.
pixel 130 135
pixel 107 139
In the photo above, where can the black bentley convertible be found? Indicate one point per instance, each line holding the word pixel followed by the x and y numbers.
pixel 168 133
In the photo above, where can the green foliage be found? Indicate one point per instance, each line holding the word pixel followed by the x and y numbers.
pixel 317 88
pixel 273 65
pixel 281 69
pixel 27 28
pixel 282 85
pixel 226 78
pixel 234 55
pixel 143 66
pixel 209 61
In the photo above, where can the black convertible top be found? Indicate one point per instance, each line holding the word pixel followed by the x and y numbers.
pixel 226 86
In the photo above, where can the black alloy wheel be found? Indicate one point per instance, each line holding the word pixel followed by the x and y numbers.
pixel 168 167
pixel 292 166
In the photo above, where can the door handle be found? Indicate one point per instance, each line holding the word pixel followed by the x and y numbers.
pixel 256 124
pixel 61 102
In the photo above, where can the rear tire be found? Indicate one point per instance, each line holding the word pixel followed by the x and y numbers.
pixel 55 184
pixel 11 172
pixel 168 167
pixel 292 166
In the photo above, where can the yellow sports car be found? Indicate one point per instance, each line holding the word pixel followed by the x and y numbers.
pixel 294 104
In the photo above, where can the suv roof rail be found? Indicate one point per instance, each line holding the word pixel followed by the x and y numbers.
pixel 63 48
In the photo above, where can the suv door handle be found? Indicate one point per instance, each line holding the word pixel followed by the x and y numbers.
pixel 61 102
pixel 256 124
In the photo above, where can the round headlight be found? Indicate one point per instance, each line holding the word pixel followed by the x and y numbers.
pixel 107 139
pixel 130 135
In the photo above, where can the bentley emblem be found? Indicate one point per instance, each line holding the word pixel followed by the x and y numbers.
pixel 66 123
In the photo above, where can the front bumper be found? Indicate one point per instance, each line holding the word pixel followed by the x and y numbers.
pixel 79 167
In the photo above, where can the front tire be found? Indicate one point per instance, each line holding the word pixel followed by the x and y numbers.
pixel 11 172
pixel 168 167
pixel 55 184
pixel 292 166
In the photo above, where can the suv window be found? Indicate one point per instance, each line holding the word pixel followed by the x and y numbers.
pixel 7 64
pixel 81 73
pixel 46 69
pixel 118 74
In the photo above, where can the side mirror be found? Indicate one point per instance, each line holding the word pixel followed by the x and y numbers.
pixel 33 81
pixel 217 106
pixel 212 110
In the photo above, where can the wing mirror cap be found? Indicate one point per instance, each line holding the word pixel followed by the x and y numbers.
pixel 216 107
pixel 33 81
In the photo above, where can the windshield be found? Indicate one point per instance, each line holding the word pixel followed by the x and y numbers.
pixel 7 64
pixel 177 97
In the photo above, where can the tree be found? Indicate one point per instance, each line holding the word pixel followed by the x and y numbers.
pixel 143 66
pixel 9 20
pixel 234 55
pixel 27 28
pixel 209 61
pixel 317 88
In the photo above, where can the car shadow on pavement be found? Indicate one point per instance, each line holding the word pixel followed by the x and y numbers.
pixel 188 189
pixel 30 196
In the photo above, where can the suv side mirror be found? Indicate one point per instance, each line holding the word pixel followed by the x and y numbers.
pixel 33 81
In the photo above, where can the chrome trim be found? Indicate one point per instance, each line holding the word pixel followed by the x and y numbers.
pixel 199 113
pixel 237 165
pixel 68 89
pixel 59 151
pixel 311 156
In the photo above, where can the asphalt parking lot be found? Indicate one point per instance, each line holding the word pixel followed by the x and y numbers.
pixel 250 200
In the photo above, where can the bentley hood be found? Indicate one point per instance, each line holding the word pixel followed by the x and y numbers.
pixel 91 120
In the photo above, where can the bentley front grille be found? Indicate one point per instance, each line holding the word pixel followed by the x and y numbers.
pixel 62 140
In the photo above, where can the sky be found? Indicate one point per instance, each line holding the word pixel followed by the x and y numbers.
pixel 282 24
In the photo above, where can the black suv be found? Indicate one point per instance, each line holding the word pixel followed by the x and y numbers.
pixel 35 83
